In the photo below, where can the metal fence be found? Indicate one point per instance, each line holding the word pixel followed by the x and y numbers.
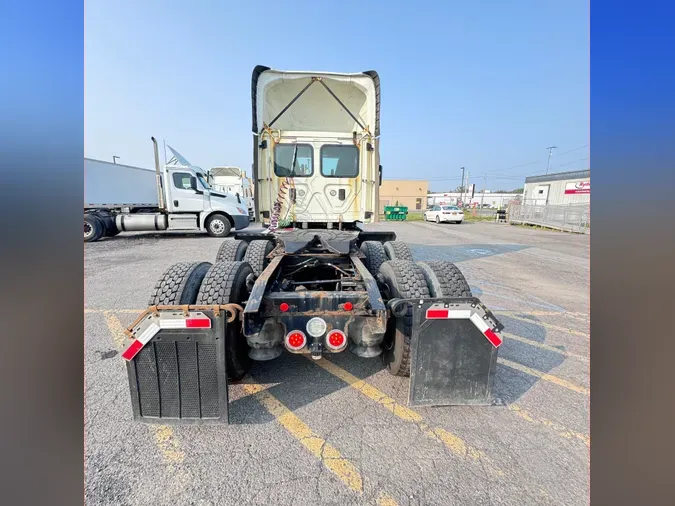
pixel 569 218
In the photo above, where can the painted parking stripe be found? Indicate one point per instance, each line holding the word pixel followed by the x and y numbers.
pixel 545 376
pixel 549 326
pixel 453 442
pixel 543 346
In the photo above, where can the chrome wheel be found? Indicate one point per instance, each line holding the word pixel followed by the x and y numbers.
pixel 217 226
pixel 88 230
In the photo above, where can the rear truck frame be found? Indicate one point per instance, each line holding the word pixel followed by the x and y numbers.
pixel 207 322
pixel 315 282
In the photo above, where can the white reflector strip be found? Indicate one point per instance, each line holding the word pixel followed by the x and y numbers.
pixel 441 313
pixel 172 324
pixel 148 333
pixel 479 322
pixel 182 323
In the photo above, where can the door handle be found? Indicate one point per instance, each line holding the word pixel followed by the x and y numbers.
pixel 175 203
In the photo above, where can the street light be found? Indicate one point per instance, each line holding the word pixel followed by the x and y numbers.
pixel 550 152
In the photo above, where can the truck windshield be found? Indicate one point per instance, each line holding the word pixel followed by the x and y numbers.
pixel 339 161
pixel 205 185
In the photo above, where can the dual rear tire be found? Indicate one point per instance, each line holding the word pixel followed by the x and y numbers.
pixel 204 283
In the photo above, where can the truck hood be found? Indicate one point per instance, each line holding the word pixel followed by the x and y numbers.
pixel 273 90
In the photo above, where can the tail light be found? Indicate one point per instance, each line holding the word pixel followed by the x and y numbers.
pixel 295 340
pixel 336 340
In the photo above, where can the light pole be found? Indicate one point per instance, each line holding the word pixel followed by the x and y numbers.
pixel 550 152
pixel 462 187
pixel 115 158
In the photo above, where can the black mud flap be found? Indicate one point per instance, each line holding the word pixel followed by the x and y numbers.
pixel 176 365
pixel 454 348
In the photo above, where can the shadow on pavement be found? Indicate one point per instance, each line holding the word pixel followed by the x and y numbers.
pixel 461 252
pixel 297 382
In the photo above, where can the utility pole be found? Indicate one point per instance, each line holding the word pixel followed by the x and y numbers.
pixel 466 187
pixel 482 197
pixel 550 152
pixel 462 187
pixel 115 158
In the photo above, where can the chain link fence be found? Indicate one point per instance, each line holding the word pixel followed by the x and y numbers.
pixel 568 218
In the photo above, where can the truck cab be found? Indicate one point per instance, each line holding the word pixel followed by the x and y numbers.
pixel 191 200
pixel 316 169
pixel 230 179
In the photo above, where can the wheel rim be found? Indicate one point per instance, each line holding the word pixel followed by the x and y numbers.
pixel 217 226
pixel 88 230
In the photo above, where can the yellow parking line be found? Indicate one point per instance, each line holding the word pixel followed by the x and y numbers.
pixel 561 430
pixel 544 346
pixel 549 326
pixel 451 441
pixel 385 499
pixel 116 329
pixel 167 444
pixel 545 376
pixel 319 447
pixel 565 314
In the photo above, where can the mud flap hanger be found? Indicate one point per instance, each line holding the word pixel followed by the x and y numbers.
pixel 302 91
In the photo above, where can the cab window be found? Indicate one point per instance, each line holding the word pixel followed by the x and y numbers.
pixel 181 180
pixel 339 161
pixel 283 159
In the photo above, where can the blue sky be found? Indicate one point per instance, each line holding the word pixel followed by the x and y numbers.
pixel 486 85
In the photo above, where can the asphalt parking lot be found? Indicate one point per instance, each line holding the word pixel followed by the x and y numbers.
pixel 338 431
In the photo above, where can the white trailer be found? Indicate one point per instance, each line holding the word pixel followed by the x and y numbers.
pixel 121 198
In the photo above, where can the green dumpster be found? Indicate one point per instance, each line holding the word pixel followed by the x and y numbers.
pixel 395 213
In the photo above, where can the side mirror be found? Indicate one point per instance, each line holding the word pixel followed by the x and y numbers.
pixel 193 183
pixel 380 172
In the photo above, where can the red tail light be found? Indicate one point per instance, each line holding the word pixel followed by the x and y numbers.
pixel 296 340
pixel 348 306
pixel 336 340
pixel 284 307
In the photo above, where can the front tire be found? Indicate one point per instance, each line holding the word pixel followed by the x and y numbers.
pixel 218 225
pixel 405 280
pixel 438 220
pixel 94 228
pixel 225 283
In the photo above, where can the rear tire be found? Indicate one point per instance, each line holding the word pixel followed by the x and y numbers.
pixel 179 284
pixel 256 255
pixel 405 280
pixel 397 250
pixel 225 283
pixel 94 228
pixel 232 251
pixel 444 279
pixel 438 220
pixel 218 225
pixel 375 256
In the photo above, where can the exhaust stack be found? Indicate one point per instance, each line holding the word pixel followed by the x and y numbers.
pixel 160 193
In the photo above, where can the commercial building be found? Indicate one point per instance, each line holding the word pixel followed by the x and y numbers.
pixel 473 199
pixel 409 193
pixel 563 188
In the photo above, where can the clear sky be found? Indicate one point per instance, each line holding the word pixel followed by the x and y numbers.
pixel 487 85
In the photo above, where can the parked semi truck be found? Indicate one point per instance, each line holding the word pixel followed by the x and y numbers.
pixel 317 280
pixel 120 198
pixel 233 180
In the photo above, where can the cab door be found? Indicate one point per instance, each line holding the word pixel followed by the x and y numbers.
pixel 186 193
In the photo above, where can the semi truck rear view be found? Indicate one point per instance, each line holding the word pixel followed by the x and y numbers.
pixel 120 198
pixel 317 281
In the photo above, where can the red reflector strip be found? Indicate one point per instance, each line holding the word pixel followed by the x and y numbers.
pixel 132 350
pixel 198 323
pixel 435 314
pixel 493 338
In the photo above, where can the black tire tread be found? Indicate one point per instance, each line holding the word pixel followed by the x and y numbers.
pixel 256 255
pixel 397 250
pixel 232 250
pixel 97 223
pixel 451 281
pixel 171 289
pixel 375 256
pixel 410 283
pixel 225 283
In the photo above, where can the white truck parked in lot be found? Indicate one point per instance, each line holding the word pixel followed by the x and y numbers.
pixel 228 179
pixel 120 198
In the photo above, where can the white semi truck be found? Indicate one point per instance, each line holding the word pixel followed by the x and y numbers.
pixel 120 198
pixel 229 179
pixel 316 281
